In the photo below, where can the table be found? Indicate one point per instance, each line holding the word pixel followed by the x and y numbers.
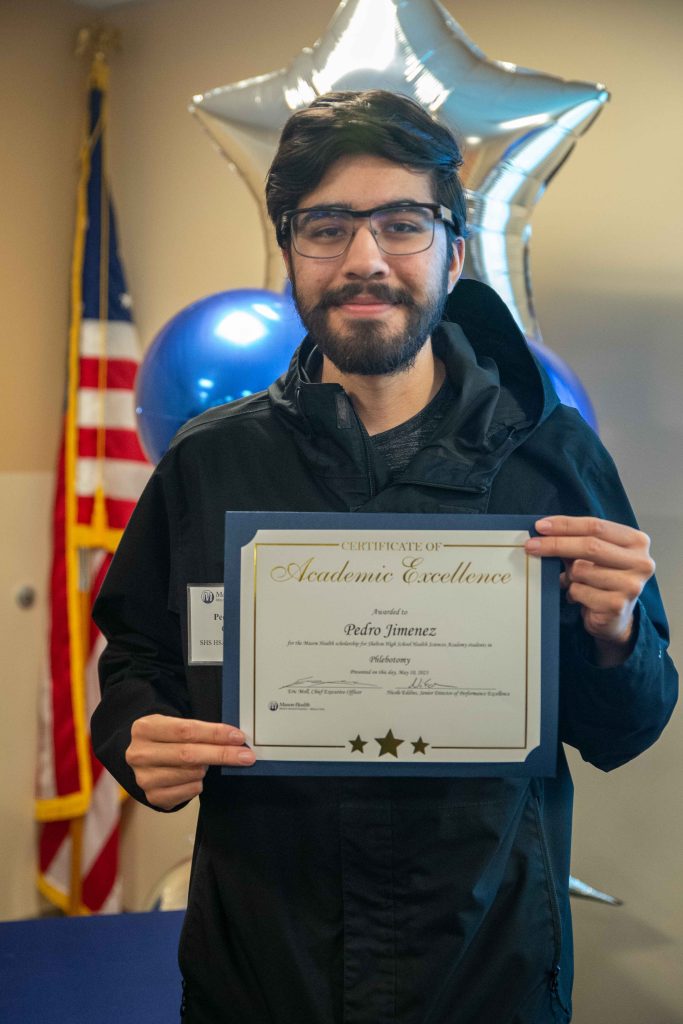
pixel 114 969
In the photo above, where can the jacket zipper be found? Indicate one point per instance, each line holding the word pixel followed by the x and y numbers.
pixel 554 903
pixel 366 448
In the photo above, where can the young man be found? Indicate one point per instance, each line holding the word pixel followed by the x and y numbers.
pixel 419 901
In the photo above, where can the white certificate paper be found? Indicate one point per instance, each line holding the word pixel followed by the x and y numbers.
pixel 390 646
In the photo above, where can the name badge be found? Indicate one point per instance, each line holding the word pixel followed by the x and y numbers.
pixel 205 624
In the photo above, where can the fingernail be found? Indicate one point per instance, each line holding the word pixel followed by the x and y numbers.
pixel 246 756
pixel 544 524
pixel 236 736
pixel 533 545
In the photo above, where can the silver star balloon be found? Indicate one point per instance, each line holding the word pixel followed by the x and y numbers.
pixel 516 126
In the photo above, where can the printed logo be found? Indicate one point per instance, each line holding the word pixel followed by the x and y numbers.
pixel 207 596
pixel 273 705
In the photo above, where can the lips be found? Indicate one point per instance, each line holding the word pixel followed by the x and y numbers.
pixel 367 303
pixel 368 300
pixel 373 298
pixel 366 307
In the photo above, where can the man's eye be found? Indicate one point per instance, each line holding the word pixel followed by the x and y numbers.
pixel 403 227
pixel 322 229
pixel 326 231
pixel 404 222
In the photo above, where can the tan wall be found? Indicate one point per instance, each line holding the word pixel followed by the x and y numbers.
pixel 607 267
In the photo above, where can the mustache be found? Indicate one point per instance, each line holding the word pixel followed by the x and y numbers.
pixel 381 292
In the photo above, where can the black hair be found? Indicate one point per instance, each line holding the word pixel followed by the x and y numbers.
pixel 376 123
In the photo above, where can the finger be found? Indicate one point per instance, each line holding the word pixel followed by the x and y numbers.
pixel 161 778
pixel 169 797
pixel 166 729
pixel 605 602
pixel 592 526
pixel 627 583
pixel 605 627
pixel 187 755
pixel 592 549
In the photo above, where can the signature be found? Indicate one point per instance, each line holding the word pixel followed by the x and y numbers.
pixel 419 683
pixel 309 682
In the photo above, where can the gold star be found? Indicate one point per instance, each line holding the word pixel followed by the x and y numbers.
pixel 419 746
pixel 388 744
pixel 358 743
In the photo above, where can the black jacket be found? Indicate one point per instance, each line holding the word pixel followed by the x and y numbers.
pixel 333 900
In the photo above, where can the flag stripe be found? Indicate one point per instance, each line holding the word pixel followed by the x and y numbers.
pixel 119 373
pixel 53 834
pixel 61 719
pixel 118 512
pixel 123 479
pixel 118 444
pixel 118 340
pixel 46 785
pixel 57 870
pixel 102 819
pixel 106 409
pixel 101 877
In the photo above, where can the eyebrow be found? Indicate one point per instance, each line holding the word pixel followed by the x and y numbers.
pixel 343 205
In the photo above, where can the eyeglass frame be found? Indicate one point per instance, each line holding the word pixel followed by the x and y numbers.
pixel 440 212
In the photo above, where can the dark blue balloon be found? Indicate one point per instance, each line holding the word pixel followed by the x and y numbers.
pixel 220 348
pixel 569 388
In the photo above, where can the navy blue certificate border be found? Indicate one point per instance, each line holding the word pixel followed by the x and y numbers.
pixel 240 529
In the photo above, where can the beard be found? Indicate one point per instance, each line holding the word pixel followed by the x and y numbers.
pixel 367 347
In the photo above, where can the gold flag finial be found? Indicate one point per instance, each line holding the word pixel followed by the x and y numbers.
pixel 97 41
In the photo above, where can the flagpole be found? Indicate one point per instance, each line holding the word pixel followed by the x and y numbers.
pixel 94 42
pixel 100 474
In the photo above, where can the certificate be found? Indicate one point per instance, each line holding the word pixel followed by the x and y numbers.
pixel 390 644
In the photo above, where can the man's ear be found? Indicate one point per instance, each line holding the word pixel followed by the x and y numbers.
pixel 457 262
pixel 286 260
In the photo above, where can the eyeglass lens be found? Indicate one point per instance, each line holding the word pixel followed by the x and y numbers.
pixel 398 230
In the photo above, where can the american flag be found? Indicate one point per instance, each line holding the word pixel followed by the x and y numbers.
pixel 101 472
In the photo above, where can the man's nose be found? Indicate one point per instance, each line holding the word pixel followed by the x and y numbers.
pixel 364 258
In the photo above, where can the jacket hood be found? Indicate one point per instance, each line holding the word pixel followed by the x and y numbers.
pixel 493 333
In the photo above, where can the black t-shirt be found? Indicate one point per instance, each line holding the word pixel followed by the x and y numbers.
pixel 398 445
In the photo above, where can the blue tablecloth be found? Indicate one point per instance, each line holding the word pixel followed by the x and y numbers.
pixel 118 969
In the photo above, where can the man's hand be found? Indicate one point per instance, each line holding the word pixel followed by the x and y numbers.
pixel 606 566
pixel 170 756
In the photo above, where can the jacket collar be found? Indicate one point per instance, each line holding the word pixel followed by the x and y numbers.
pixel 502 395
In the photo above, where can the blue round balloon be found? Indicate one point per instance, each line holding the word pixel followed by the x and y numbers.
pixel 220 348
pixel 569 388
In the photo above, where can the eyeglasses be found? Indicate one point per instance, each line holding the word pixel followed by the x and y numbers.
pixel 324 233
